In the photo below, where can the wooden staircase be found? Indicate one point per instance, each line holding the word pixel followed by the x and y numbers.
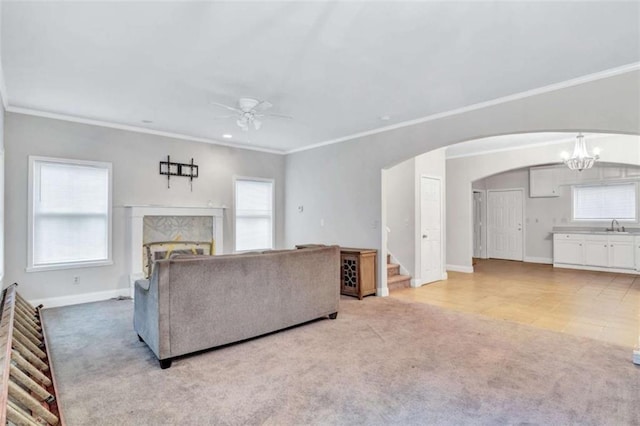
pixel 395 280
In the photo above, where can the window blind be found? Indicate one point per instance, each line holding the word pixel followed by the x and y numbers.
pixel 605 202
pixel 70 213
pixel 254 214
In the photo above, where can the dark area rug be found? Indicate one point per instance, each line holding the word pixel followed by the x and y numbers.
pixel 383 361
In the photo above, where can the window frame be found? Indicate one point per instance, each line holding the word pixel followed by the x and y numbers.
pixel 630 221
pixel 235 211
pixel 33 159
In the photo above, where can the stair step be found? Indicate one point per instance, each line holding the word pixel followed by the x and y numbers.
pixel 393 269
pixel 399 281
pixel 388 258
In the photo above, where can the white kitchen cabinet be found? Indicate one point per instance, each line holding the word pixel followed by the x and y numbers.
pixel 621 252
pixel 543 182
pixel 596 250
pixel 567 248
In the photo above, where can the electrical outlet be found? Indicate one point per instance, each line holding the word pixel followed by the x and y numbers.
pixel 76 280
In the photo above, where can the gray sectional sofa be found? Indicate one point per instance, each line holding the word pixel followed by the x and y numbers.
pixel 192 303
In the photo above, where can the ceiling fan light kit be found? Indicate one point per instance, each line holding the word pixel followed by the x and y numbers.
pixel 249 113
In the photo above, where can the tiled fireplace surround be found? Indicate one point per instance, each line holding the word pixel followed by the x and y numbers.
pixel 162 227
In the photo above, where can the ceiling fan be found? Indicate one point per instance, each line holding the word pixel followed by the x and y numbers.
pixel 249 113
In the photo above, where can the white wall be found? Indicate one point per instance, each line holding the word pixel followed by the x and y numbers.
pixel 136 180
pixel 461 172
pixel 401 211
pixel 542 214
pixel 341 183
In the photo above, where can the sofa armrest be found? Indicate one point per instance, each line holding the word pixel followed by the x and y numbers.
pixel 144 284
pixel 145 312
pixel 151 310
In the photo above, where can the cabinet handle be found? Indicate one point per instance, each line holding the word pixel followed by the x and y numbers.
pixel 605 245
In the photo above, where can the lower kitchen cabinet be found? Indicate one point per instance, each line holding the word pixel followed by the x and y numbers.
pixel 621 254
pixel 599 252
pixel 568 251
pixel 596 250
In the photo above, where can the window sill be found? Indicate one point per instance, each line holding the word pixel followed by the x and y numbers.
pixel 71 265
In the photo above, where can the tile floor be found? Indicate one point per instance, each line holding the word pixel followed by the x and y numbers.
pixel 598 305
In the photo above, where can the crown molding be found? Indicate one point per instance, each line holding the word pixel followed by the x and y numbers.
pixel 612 72
pixel 82 120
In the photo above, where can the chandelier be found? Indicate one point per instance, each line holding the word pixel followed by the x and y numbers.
pixel 581 159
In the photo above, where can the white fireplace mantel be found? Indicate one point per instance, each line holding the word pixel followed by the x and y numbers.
pixel 135 225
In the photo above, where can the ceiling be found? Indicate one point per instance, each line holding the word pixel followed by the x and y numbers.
pixel 336 67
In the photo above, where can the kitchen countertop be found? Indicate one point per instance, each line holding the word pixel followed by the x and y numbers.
pixel 592 231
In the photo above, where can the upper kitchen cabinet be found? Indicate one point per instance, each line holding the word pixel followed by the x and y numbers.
pixel 544 182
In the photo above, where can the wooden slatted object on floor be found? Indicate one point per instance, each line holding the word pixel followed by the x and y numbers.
pixel 27 393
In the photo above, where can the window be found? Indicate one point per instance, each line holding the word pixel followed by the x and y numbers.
pixel 253 214
pixel 605 202
pixel 70 213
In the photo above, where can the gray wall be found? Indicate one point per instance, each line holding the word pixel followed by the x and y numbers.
pixel 401 214
pixel 461 172
pixel 341 183
pixel 2 190
pixel 403 208
pixel 136 181
pixel 542 214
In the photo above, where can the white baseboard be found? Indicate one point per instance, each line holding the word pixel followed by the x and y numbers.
pixel 54 302
pixel 416 282
pixel 382 292
pixel 533 259
pixel 460 268
pixel 445 276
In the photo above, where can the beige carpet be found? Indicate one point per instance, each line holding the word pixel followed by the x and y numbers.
pixel 383 361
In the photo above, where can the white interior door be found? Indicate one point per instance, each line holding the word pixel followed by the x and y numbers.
pixel 431 229
pixel 477 224
pixel 504 224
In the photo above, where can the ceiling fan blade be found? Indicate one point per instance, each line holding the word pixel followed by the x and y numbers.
pixel 230 108
pixel 223 117
pixel 257 124
pixel 263 105
pixel 288 117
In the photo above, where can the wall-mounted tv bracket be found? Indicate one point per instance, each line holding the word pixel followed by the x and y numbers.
pixel 169 169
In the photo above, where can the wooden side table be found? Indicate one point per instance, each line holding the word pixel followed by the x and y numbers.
pixel 358 271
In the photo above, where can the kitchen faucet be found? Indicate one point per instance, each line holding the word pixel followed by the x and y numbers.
pixel 617 228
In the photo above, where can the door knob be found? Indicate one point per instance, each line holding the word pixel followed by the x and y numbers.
pixel 424 236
